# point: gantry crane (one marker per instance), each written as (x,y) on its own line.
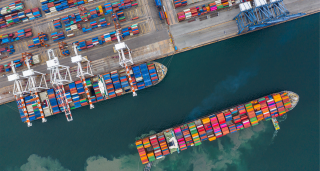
(120,47)
(18,91)
(57,81)
(246,17)
(262,11)
(80,73)
(32,85)
(41,39)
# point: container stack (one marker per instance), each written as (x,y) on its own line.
(203,10)
(215,126)
(106,37)
(125,32)
(82,45)
(146,145)
(116,82)
(65,19)
(135,29)
(97,91)
(31,113)
(180,139)
(103,22)
(74,94)
(281,108)
(95,41)
(108,8)
(79,86)
(225,3)
(286,101)
(272,106)
(94,24)
(222,122)
(187,135)
(155,146)
(153,73)
(11,49)
(68,94)
(145,74)
(89,85)
(239,126)
(232,128)
(182,15)
(53,101)
(208,128)
(125,83)
(59,95)
(142,152)
(109,85)
(163,144)
(251,114)
(264,109)
(138,76)
(201,130)
(227,115)
(194,133)
(93,14)
(20,108)
(57,24)
(11,8)
(121,16)
(213,6)
(257,109)
(56,36)
(134,3)
(179,3)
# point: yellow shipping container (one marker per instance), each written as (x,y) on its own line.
(212,138)
(205,120)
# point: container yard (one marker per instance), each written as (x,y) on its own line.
(151,28)
(216,125)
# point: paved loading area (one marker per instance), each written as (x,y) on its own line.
(188,34)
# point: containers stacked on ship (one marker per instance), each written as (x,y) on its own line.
(109,85)
(187,135)
(215,125)
(28,102)
(147,146)
(181,142)
(244,118)
(53,101)
(194,133)
(133,78)
(116,82)
(68,96)
(286,101)
(45,104)
(257,109)
(124,81)
(201,130)
(153,73)
(82,95)
(142,152)
(145,75)
(208,128)
(20,108)
(280,107)
(91,90)
(222,122)
(272,106)
(155,146)
(75,95)
(163,144)
(138,77)
(227,115)
(264,108)
(96,88)
(251,114)
(59,95)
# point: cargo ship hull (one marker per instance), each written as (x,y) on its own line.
(101,87)
(221,123)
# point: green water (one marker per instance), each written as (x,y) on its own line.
(201,81)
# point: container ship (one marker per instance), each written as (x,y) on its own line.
(101,87)
(216,125)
